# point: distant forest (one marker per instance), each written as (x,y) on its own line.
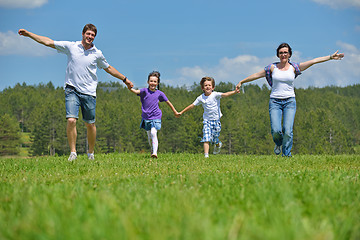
(327,121)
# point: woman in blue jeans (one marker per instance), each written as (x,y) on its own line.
(282,104)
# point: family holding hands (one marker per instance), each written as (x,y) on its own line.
(81,83)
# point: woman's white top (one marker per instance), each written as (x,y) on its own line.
(283,83)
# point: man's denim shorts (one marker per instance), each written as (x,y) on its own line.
(148,124)
(75,100)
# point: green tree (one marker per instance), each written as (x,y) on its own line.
(49,125)
(9,135)
(327,120)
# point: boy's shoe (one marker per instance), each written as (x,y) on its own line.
(206,155)
(154,156)
(217,149)
(91,156)
(277,149)
(72,156)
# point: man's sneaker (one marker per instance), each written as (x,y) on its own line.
(72,156)
(91,156)
(277,149)
(154,156)
(217,148)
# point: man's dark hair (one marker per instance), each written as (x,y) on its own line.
(90,27)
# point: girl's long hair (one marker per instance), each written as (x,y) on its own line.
(155,74)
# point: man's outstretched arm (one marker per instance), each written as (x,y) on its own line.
(40,39)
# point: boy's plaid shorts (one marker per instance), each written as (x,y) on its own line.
(211,131)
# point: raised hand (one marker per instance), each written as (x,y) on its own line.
(337,56)
(23,32)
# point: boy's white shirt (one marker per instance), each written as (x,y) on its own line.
(211,105)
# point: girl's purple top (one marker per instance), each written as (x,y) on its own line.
(150,103)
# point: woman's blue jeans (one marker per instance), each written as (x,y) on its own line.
(282,116)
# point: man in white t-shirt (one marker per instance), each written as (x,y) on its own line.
(80,81)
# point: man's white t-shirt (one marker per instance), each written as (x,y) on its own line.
(211,105)
(82,65)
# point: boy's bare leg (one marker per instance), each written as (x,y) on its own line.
(206,149)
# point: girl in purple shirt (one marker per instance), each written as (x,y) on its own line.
(151,113)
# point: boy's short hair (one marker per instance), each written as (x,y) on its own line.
(90,27)
(204,79)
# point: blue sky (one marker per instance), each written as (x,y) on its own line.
(184,40)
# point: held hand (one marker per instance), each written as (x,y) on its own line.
(129,84)
(238,87)
(177,114)
(337,56)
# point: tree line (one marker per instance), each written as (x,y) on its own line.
(327,121)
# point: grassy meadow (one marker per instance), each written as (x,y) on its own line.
(180,196)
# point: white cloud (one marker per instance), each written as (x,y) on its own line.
(339,4)
(13,44)
(337,73)
(227,70)
(22,3)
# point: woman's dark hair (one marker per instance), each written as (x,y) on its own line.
(282,46)
(155,74)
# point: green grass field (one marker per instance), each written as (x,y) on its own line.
(180,196)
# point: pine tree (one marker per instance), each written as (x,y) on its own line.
(9,135)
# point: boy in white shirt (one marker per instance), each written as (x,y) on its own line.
(210,100)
